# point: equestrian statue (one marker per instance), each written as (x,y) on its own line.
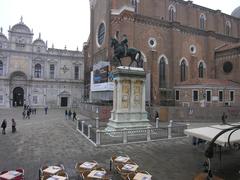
(121,50)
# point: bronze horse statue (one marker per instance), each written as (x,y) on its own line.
(120,51)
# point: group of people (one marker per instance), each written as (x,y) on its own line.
(69,115)
(4,126)
(27,111)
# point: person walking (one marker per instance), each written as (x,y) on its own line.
(24,114)
(46,109)
(3,126)
(28,114)
(224,117)
(66,114)
(69,114)
(74,116)
(13,125)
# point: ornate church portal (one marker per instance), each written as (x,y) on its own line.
(18,96)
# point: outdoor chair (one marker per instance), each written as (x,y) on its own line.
(62,173)
(21,177)
(3,172)
(100,168)
(122,173)
(41,171)
(143,172)
(60,165)
(130,176)
(85,174)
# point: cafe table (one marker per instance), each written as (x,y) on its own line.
(10,175)
(122,159)
(141,176)
(55,177)
(52,169)
(88,165)
(130,167)
(96,174)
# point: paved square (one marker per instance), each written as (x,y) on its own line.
(50,139)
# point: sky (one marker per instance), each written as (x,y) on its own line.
(67,22)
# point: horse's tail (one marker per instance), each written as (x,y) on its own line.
(139,59)
(138,56)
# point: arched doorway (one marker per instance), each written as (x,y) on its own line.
(18,96)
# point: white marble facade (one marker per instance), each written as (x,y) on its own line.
(34,74)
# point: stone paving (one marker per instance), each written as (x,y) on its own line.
(49,139)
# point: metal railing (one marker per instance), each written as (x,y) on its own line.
(101,137)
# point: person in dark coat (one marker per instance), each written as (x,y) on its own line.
(13,125)
(74,116)
(24,114)
(28,114)
(224,117)
(66,114)
(3,126)
(46,109)
(69,114)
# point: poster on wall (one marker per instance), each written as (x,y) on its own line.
(101,77)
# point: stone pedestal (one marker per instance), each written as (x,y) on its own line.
(128,99)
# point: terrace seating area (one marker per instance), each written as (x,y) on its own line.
(120,167)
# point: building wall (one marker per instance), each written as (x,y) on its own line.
(173,39)
(232,56)
(20,56)
(186,97)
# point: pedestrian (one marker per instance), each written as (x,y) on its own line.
(13,125)
(28,114)
(46,109)
(3,126)
(156,115)
(224,117)
(66,114)
(74,116)
(69,114)
(24,114)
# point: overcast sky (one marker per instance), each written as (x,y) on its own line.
(66,22)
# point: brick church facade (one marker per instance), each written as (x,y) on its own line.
(191,53)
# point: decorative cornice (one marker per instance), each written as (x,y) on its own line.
(190,3)
(176,26)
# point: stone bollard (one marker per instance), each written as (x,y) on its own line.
(97,119)
(125,136)
(188,125)
(170,129)
(98,137)
(78,121)
(83,126)
(149,133)
(157,122)
(89,130)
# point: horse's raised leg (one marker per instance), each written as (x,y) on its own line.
(130,63)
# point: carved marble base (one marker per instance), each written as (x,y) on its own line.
(128,99)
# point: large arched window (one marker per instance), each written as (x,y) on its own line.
(227,28)
(37,71)
(183,70)
(202,21)
(200,70)
(162,73)
(1,68)
(171,13)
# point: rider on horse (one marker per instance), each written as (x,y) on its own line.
(121,50)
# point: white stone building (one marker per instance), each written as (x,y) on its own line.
(34,74)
